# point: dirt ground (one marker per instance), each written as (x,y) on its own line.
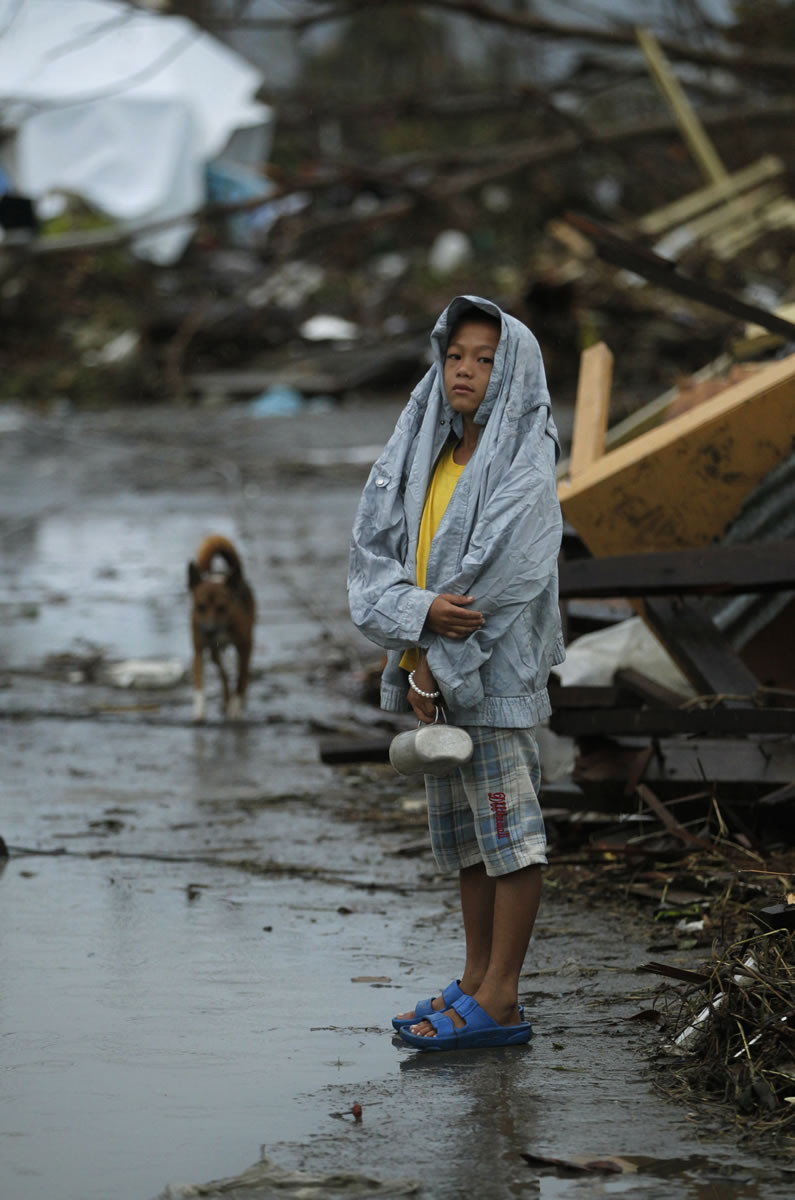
(205,930)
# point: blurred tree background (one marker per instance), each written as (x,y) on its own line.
(425,149)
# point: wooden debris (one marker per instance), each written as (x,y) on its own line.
(632,256)
(593,399)
(736,1040)
(661,722)
(741,211)
(582,1165)
(700,650)
(678,486)
(743,769)
(720,192)
(708,570)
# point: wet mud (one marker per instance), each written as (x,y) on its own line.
(205,930)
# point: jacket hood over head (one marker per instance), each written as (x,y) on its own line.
(517,383)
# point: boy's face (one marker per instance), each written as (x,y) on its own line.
(468,363)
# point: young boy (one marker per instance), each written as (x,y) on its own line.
(453,570)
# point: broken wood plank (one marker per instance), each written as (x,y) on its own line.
(778,213)
(746,768)
(652,802)
(593,401)
(681,211)
(650,415)
(690,126)
(681,973)
(699,649)
(740,217)
(679,485)
(716,569)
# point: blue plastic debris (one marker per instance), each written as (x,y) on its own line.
(280,400)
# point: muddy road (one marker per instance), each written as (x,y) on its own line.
(204,930)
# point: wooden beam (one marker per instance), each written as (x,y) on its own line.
(699,649)
(679,485)
(740,215)
(648,416)
(690,206)
(724,761)
(745,768)
(591,409)
(717,569)
(778,214)
(671,722)
(691,128)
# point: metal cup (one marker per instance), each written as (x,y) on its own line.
(435,749)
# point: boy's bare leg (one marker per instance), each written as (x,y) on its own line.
(516,900)
(477,908)
(476,889)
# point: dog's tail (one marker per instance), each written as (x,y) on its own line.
(214,544)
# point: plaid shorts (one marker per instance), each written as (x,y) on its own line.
(488,810)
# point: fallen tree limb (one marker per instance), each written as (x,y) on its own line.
(747,62)
(632,256)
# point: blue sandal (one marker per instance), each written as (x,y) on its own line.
(478,1031)
(424,1009)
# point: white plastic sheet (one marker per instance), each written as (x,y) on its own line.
(121,107)
(593,659)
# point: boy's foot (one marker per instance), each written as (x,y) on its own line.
(469,1027)
(436,1004)
(499,1012)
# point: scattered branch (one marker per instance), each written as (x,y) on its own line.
(756,62)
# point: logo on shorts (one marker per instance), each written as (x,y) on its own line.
(499,808)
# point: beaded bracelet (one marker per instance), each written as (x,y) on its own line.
(420,692)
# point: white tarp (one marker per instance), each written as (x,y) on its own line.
(120,106)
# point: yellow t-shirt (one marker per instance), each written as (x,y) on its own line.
(442,485)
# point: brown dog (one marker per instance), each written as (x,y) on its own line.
(223,614)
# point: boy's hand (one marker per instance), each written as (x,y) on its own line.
(424,709)
(449,616)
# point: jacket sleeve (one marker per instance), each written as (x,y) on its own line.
(511,558)
(385,602)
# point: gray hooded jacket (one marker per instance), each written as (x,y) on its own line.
(498,540)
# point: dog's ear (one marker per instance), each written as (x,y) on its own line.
(234,579)
(194,575)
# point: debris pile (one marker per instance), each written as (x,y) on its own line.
(681,519)
(735,1043)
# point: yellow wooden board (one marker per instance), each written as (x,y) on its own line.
(680,484)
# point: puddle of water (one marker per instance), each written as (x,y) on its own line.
(149,1038)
